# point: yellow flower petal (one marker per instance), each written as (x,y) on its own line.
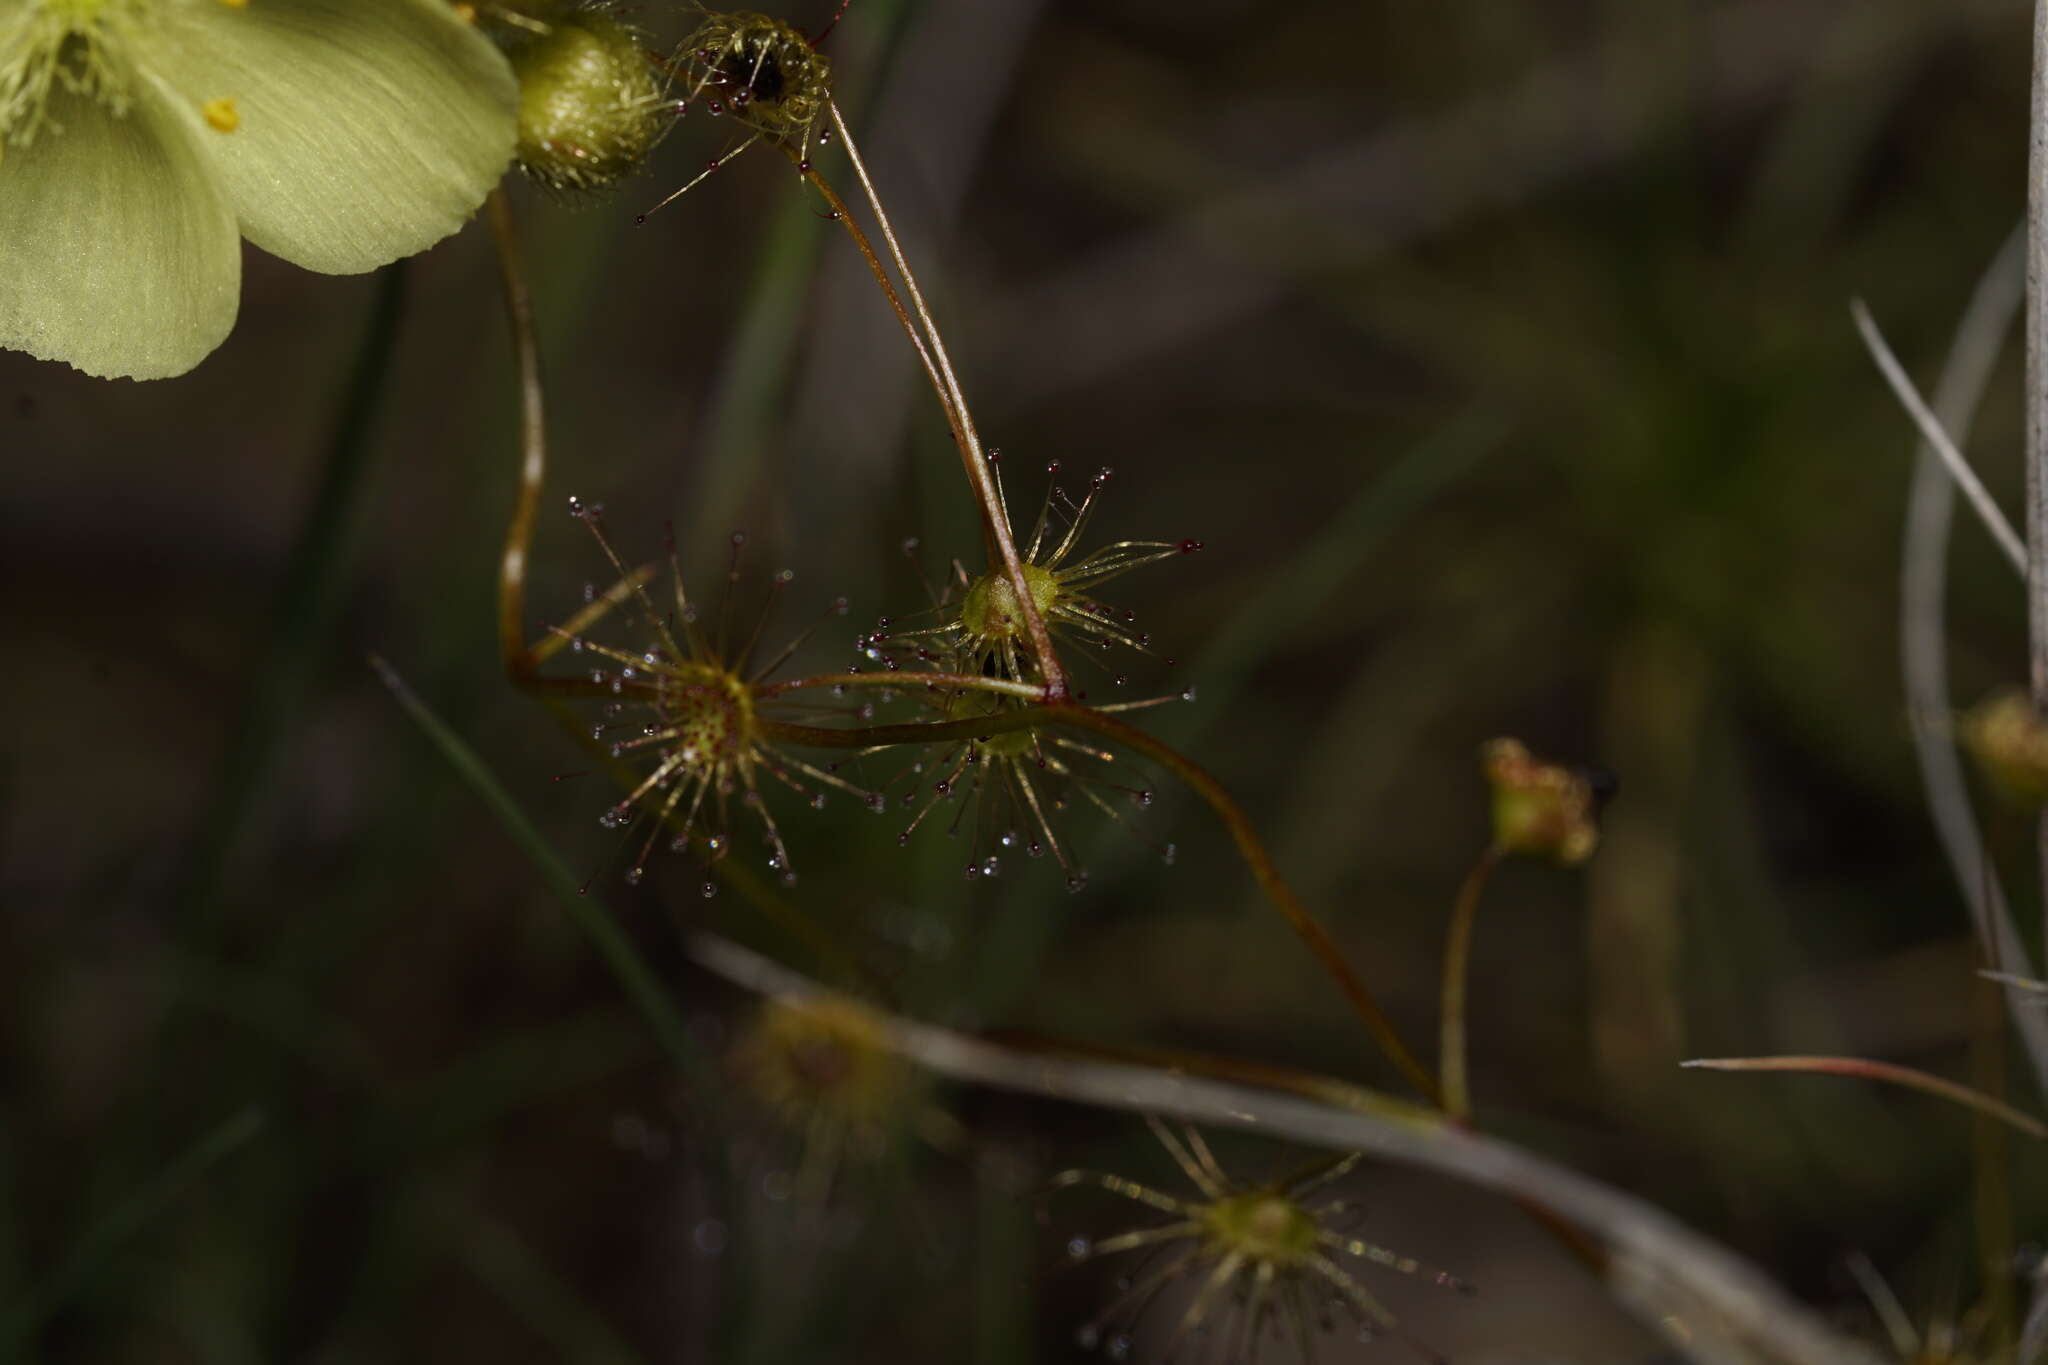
(120,253)
(365,130)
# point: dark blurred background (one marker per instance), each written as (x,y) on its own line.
(1501,356)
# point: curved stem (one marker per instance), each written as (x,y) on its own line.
(520,664)
(1923,634)
(1457,964)
(1889,1072)
(1356,1099)
(1260,863)
(1714,1305)
(1197,779)
(939,366)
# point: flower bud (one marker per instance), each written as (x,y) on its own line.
(1542,809)
(590,102)
(2009,740)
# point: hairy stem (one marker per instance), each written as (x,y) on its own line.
(1457,970)
(905,682)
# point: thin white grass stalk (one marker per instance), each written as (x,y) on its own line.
(1938,440)
(963,421)
(1712,1305)
(1923,631)
(2016,981)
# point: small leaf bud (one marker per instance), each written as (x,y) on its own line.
(1542,809)
(591,107)
(2009,740)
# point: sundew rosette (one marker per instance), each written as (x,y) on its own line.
(140,140)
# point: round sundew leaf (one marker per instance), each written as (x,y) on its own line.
(118,253)
(362,130)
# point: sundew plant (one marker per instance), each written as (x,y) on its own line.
(1017,682)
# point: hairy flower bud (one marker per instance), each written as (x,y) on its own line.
(591,107)
(1542,809)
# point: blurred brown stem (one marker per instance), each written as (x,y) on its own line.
(1250,848)
(1457,1088)
(520,665)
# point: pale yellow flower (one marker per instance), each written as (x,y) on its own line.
(140,140)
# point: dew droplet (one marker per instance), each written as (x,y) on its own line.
(708,890)
(1076,880)
(635,875)
(1189,693)
(818,801)
(1119,1347)
(708,1237)
(1088,1336)
(1078,1249)
(1169,853)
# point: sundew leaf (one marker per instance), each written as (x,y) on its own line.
(121,253)
(365,130)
